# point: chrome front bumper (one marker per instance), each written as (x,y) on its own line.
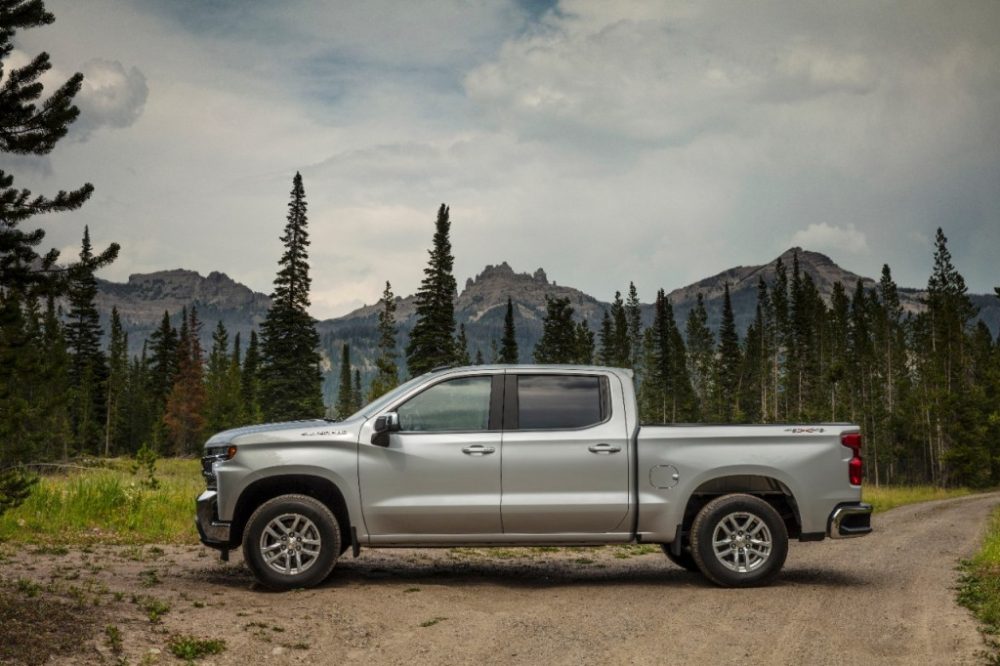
(850,520)
(213,533)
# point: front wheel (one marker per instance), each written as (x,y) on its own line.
(739,541)
(291,541)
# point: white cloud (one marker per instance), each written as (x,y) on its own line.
(110,96)
(832,239)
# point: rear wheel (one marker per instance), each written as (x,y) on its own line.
(291,541)
(685,560)
(739,541)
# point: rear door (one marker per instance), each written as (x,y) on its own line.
(565,459)
(440,473)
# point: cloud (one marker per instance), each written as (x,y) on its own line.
(111,96)
(831,239)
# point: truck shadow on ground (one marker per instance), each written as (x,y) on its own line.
(538,573)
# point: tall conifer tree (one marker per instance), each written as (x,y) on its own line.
(432,340)
(508,343)
(291,381)
(88,369)
(344,406)
(184,415)
(386,371)
(116,383)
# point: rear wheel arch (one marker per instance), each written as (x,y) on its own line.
(768,488)
(262,490)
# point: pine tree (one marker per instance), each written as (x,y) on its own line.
(508,343)
(479,357)
(357,401)
(163,362)
(223,403)
(184,414)
(290,376)
(344,406)
(462,347)
(606,340)
(30,125)
(620,354)
(432,340)
(633,327)
(250,382)
(584,337)
(88,369)
(559,342)
(115,386)
(701,351)
(386,372)
(727,375)
(137,429)
(54,400)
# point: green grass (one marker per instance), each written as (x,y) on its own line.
(109,504)
(884,498)
(979,588)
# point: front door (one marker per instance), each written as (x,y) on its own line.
(440,473)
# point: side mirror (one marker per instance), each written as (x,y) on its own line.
(384,425)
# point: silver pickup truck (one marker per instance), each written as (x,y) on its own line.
(526,455)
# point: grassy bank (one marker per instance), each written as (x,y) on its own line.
(979,589)
(113,503)
(109,503)
(884,498)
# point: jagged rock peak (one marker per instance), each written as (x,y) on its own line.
(503,272)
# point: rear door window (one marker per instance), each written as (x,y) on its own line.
(560,402)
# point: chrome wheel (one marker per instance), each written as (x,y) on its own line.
(742,542)
(290,544)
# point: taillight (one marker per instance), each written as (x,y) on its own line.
(855,469)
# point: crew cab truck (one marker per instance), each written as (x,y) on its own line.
(526,455)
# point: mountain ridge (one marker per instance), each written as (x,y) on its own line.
(480,305)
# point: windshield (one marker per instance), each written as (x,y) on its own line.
(376,405)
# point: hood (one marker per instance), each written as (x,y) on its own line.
(227,436)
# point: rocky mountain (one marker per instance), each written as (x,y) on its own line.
(142,301)
(480,305)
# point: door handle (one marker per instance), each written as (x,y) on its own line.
(604,448)
(478,450)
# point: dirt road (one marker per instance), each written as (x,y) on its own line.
(888,598)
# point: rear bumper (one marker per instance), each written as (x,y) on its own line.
(850,520)
(213,533)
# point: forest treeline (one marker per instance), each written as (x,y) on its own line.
(924,386)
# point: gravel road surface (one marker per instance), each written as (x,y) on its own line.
(888,598)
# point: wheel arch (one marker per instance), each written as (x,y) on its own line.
(760,483)
(269,487)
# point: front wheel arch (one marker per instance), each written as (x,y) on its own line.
(262,490)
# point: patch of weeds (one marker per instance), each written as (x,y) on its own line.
(119,595)
(299,646)
(410,590)
(153,607)
(113,637)
(277,628)
(28,588)
(155,552)
(51,550)
(583,560)
(198,604)
(191,648)
(431,622)
(148,578)
(548,549)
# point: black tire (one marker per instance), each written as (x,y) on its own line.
(726,513)
(316,559)
(685,560)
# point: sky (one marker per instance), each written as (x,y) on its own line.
(607,142)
